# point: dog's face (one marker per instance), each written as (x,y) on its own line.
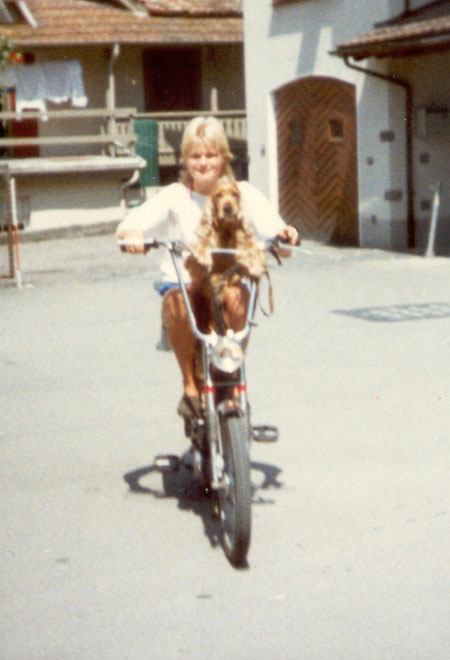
(226,203)
(224,225)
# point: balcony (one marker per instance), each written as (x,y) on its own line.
(172,124)
(98,160)
(79,140)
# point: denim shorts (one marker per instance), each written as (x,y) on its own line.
(163,287)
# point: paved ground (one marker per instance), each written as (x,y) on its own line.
(100,558)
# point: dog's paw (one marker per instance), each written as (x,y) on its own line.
(252,262)
(205,259)
(201,254)
(257,270)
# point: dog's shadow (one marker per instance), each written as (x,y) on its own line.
(181,485)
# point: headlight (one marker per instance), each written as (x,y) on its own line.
(227,355)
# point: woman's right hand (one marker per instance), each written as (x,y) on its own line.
(133,236)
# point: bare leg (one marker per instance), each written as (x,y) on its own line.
(235,303)
(182,339)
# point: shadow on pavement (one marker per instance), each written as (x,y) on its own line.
(392,313)
(180,484)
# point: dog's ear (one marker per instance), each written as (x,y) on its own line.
(246,225)
(205,226)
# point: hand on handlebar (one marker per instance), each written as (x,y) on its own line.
(289,236)
(136,242)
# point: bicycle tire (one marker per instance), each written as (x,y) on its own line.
(235,500)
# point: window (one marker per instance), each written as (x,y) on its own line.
(336,130)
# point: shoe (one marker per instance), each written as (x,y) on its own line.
(164,342)
(190,406)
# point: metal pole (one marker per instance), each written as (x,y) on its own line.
(4,172)
(13,228)
(434,219)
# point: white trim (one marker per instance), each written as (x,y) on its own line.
(272,149)
(26,13)
(137,11)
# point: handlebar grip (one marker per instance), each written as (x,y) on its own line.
(147,244)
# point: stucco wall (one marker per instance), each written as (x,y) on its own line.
(431,140)
(64,200)
(286,43)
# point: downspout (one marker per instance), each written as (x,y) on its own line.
(409,146)
(111,92)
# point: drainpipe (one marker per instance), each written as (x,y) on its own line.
(111,92)
(409,150)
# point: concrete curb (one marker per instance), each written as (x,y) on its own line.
(73,231)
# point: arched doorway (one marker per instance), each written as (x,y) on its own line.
(317,163)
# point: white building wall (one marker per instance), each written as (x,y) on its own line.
(431,140)
(285,43)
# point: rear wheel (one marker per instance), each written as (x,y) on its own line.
(235,498)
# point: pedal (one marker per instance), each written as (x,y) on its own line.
(265,433)
(167,463)
(191,461)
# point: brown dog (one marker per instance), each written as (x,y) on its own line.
(223,225)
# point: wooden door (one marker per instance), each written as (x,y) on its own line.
(317,164)
(172,79)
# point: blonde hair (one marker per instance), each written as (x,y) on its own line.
(205,130)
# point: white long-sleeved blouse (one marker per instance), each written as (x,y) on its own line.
(175,211)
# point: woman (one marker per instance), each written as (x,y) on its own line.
(174,213)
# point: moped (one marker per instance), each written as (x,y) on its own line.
(221,437)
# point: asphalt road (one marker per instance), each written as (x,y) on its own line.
(102,558)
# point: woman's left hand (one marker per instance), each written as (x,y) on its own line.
(289,235)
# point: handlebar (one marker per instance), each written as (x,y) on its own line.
(178,247)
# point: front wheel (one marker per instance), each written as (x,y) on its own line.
(235,498)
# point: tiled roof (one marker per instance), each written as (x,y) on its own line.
(400,38)
(84,22)
(195,7)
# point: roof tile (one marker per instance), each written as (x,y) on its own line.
(85,22)
(195,7)
(412,34)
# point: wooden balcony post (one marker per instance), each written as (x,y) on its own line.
(214,100)
(12,224)
(111,94)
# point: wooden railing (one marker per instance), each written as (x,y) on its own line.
(114,133)
(172,124)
